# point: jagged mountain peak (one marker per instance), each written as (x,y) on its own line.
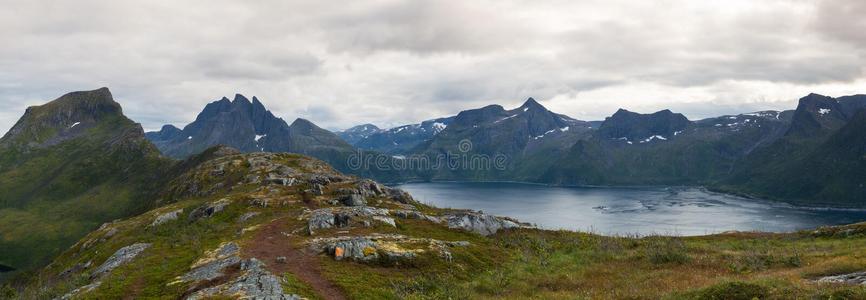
(817,113)
(531,103)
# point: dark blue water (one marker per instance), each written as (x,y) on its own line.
(621,211)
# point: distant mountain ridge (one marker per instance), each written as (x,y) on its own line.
(397,140)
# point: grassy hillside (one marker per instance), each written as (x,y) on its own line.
(425,254)
(59,181)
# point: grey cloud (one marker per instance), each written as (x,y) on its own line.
(393,62)
(842,20)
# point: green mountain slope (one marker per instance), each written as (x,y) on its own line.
(285,226)
(824,171)
(663,149)
(65,168)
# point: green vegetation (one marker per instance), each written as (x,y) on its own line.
(57,183)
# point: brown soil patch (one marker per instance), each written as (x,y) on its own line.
(269,243)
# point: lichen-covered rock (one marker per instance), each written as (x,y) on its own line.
(81,290)
(371,247)
(399,195)
(852,278)
(166,217)
(213,263)
(386,220)
(254,283)
(414,214)
(353,200)
(317,189)
(209,209)
(478,222)
(338,217)
(120,257)
(356,248)
(248,215)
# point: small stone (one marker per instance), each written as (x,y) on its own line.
(281,259)
(246,216)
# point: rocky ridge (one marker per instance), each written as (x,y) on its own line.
(251,200)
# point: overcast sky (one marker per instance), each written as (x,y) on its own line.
(341,63)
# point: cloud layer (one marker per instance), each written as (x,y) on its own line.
(393,62)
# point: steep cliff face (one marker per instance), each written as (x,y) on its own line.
(635,127)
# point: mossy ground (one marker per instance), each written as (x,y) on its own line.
(512,264)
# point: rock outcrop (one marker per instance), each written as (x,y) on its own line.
(852,278)
(122,256)
(209,209)
(166,217)
(479,223)
(250,281)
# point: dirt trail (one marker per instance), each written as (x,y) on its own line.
(270,243)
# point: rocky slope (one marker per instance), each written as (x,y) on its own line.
(285,226)
(66,167)
(246,225)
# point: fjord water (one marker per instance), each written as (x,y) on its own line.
(624,211)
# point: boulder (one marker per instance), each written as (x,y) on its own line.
(858,278)
(358,248)
(339,217)
(391,246)
(478,222)
(255,282)
(246,216)
(399,195)
(414,214)
(386,220)
(317,189)
(209,209)
(120,257)
(353,200)
(169,216)
(213,263)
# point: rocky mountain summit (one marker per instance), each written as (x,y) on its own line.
(249,127)
(634,127)
(255,217)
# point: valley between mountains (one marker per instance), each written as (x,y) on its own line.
(242,204)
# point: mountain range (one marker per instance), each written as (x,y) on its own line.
(741,154)
(76,164)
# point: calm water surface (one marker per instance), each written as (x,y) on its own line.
(676,211)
